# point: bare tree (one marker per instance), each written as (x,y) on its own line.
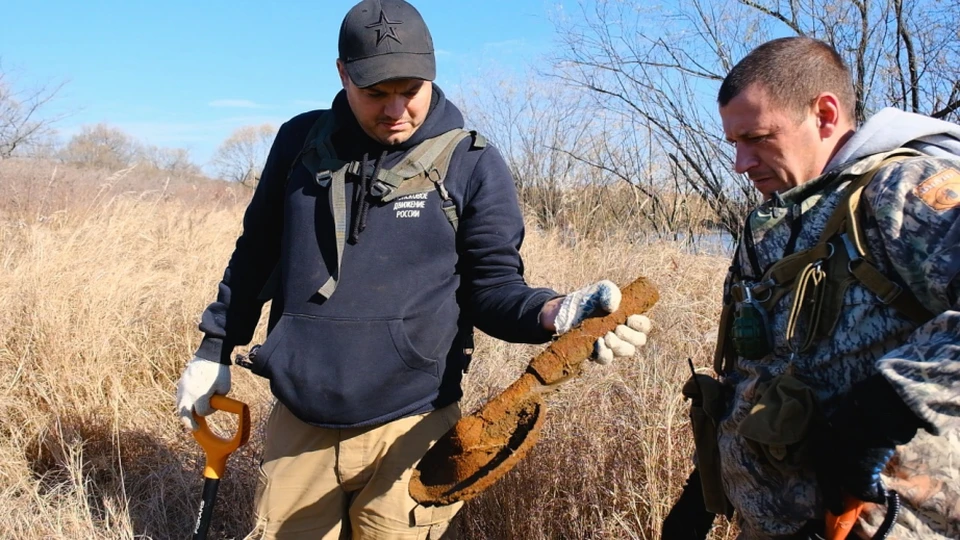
(172,160)
(658,68)
(241,157)
(104,147)
(107,147)
(569,160)
(24,118)
(529,122)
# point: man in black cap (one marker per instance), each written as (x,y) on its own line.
(383,233)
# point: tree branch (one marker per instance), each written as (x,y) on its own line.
(775,14)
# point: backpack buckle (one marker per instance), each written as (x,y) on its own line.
(323,178)
(380,190)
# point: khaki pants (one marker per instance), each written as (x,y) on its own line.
(348,483)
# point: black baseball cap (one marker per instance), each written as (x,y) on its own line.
(386,39)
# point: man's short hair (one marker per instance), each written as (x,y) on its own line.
(794,71)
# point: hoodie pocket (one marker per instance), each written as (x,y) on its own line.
(258,361)
(407,351)
(347,371)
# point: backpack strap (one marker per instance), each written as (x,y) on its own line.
(847,261)
(724,356)
(427,165)
(319,157)
(862,264)
(437,172)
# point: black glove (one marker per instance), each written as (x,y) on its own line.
(688,519)
(860,439)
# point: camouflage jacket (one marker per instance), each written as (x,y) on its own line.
(913,231)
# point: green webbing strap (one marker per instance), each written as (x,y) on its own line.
(862,265)
(328,166)
(428,163)
(723,339)
(430,159)
(317,138)
(810,287)
(890,293)
(421,160)
(442,160)
(479,141)
(849,199)
(332,171)
(443,146)
(328,170)
(338,202)
(810,280)
(388,178)
(418,161)
(441,164)
(788,268)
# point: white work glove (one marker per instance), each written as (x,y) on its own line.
(623,341)
(600,299)
(201,379)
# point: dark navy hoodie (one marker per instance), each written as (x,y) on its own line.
(389,342)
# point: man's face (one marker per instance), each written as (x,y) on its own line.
(389,112)
(774,148)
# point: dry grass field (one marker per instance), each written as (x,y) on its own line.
(102,281)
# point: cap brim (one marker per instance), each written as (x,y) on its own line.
(385,67)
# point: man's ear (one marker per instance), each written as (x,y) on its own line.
(342,70)
(826,107)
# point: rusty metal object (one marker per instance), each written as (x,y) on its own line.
(485,445)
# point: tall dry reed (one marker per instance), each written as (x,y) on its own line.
(102,280)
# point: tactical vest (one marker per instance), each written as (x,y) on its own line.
(819,277)
(421,170)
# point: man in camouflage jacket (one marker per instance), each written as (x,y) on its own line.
(886,387)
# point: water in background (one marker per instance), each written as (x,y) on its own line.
(711,243)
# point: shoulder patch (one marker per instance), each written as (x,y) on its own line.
(941,191)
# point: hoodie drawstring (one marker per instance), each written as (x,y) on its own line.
(363,198)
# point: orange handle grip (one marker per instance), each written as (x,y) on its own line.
(838,527)
(216,448)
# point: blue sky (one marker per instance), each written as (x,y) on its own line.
(185,74)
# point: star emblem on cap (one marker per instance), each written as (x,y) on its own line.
(384,28)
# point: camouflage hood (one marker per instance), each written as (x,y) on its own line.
(892,128)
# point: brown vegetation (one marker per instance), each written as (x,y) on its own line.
(103,279)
